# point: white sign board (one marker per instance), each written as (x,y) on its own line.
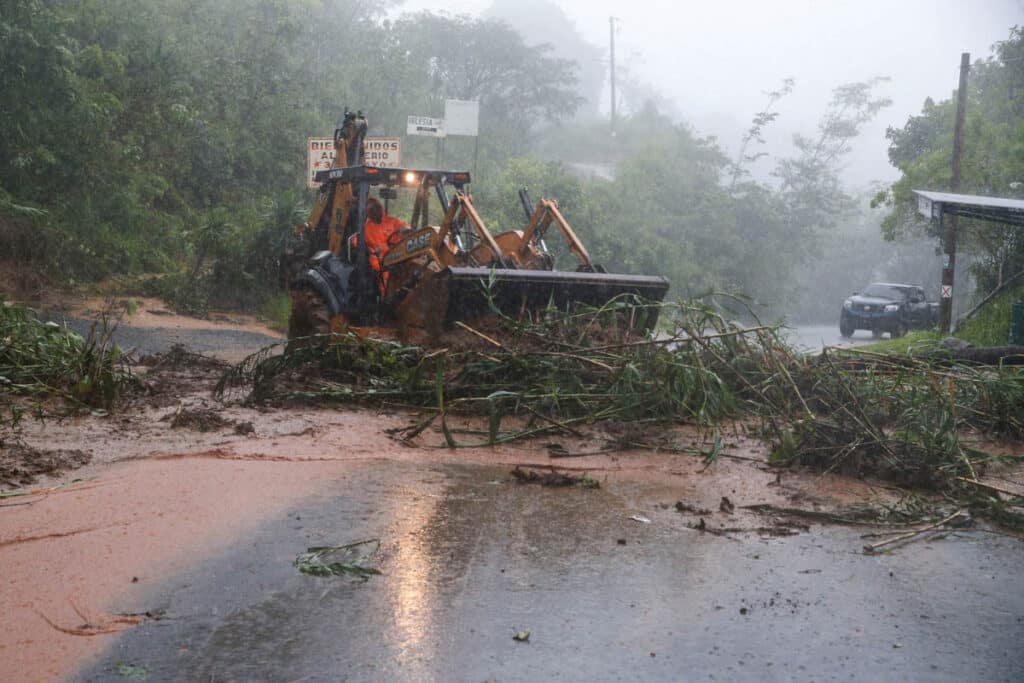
(461,117)
(424,125)
(380,152)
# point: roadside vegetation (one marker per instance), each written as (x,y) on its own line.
(990,326)
(42,360)
(917,342)
(48,370)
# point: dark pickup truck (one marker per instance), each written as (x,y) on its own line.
(886,307)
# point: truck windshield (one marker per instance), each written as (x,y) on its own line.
(884,292)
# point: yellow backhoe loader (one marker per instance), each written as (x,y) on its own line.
(433,275)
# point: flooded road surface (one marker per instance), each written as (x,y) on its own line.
(469,559)
(815,337)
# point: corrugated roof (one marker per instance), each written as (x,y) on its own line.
(997,209)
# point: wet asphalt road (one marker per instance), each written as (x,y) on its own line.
(469,559)
(813,338)
(146,340)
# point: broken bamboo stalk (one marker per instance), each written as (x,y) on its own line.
(873,547)
(483,336)
(992,487)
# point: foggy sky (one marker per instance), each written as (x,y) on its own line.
(714,60)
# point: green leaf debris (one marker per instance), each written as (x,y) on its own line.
(339,560)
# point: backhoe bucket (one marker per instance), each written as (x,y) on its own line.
(473,292)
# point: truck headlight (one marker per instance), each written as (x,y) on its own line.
(848,305)
(892,308)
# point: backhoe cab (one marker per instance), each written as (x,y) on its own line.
(432,274)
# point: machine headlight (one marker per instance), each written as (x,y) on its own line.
(848,305)
(892,308)
(410,177)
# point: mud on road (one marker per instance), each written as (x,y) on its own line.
(168,556)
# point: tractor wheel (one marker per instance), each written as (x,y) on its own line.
(309,316)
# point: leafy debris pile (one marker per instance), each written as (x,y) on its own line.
(897,418)
(557,370)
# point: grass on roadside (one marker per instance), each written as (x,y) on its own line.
(990,326)
(920,341)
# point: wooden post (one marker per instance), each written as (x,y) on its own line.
(952,221)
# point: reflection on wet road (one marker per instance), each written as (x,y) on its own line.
(469,559)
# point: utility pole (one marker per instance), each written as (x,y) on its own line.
(952,221)
(611,40)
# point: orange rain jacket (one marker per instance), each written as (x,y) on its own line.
(377,235)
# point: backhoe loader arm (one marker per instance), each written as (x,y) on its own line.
(331,211)
(348,151)
(546,213)
(461,208)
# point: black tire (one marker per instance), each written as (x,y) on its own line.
(846,330)
(309,315)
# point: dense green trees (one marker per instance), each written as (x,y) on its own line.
(147,136)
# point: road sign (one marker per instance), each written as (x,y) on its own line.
(380,152)
(461,117)
(424,125)
(947,291)
(319,157)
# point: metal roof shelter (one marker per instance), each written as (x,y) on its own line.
(997,209)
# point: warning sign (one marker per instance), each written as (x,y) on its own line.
(319,157)
(380,152)
(383,152)
(947,291)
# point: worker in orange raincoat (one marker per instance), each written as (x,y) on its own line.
(379,229)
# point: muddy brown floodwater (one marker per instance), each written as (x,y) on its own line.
(168,556)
